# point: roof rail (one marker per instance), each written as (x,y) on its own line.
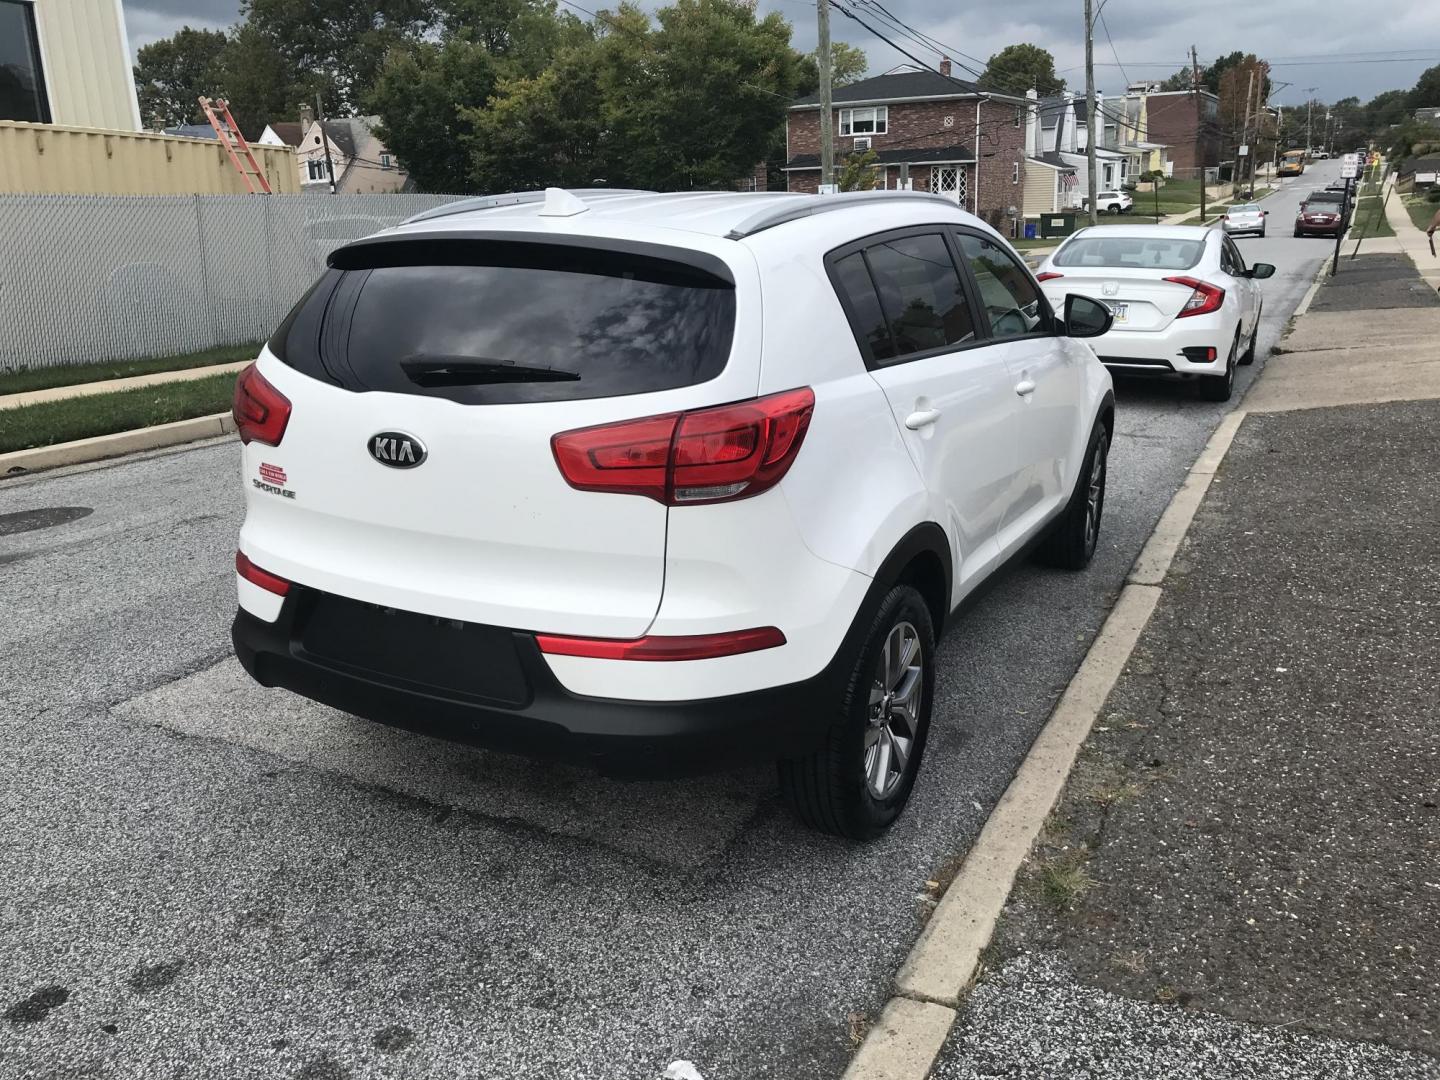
(512,198)
(820,204)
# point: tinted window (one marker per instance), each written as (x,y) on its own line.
(1011,300)
(852,279)
(1140,251)
(920,293)
(22,86)
(490,323)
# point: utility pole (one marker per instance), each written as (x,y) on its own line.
(827,119)
(325,139)
(1090,177)
(1244,131)
(1309,109)
(1199,121)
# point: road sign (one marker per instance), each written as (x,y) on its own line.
(1349,166)
(1244,150)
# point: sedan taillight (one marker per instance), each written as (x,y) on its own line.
(1204,298)
(1048,275)
(261,412)
(684,459)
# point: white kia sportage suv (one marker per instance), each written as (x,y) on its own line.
(659,482)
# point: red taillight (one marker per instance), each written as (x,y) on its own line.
(263,578)
(691,647)
(1048,275)
(261,411)
(689,458)
(1204,299)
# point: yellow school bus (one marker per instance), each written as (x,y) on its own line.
(1292,163)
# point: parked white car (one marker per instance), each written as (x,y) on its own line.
(1185,303)
(1111,202)
(1245,219)
(660,482)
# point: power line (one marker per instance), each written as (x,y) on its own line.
(1104,26)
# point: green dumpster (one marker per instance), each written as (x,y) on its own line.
(1056,225)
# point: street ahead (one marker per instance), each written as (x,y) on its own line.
(202,878)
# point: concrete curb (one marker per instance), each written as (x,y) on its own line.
(110,386)
(939,971)
(22,462)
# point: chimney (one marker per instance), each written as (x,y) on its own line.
(1032,123)
(307,117)
(945,66)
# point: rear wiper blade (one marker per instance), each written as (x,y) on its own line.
(473,371)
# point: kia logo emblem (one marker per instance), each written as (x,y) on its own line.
(397,449)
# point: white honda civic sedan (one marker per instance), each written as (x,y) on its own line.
(1185,303)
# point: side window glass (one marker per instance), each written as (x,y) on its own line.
(1237,261)
(1011,300)
(920,293)
(852,279)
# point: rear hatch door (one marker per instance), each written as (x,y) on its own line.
(427,379)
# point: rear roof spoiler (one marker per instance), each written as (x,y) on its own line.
(513,198)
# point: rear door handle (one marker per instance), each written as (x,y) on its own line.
(1025,387)
(923,418)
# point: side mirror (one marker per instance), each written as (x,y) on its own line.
(1261,270)
(1264,213)
(1086,318)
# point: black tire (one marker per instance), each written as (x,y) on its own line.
(1220,387)
(1248,356)
(1297,233)
(1262,234)
(831,789)
(1072,540)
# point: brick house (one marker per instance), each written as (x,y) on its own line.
(948,134)
(1186,123)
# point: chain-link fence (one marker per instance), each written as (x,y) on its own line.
(102,277)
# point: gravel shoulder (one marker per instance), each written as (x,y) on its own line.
(1252,830)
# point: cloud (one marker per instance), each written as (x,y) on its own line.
(156,19)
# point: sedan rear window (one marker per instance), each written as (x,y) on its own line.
(490,322)
(1152,252)
(1248,208)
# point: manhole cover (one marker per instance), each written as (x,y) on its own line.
(48,518)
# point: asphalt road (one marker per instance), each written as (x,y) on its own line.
(201,878)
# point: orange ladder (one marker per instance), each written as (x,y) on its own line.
(217,111)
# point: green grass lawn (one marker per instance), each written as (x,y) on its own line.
(1421,212)
(1370,219)
(52,422)
(1027,245)
(19,380)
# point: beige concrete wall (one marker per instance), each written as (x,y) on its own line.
(86,59)
(45,159)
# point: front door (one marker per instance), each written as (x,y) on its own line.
(948,180)
(1045,382)
(950,391)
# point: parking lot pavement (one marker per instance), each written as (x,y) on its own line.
(1251,831)
(203,878)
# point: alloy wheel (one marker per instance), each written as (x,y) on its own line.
(896,692)
(1095,494)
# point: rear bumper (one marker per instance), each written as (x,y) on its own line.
(1164,352)
(540,717)
(1305,229)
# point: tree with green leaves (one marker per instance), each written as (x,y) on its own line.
(173,73)
(847,65)
(1017,68)
(696,103)
(338,45)
(260,84)
(1427,90)
(858,172)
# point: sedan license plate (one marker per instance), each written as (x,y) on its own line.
(1121,312)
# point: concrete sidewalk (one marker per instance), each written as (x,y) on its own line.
(1241,877)
(1412,241)
(106,386)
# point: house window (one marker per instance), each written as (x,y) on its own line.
(386,162)
(864,121)
(1015,173)
(316,169)
(1019,114)
(22,76)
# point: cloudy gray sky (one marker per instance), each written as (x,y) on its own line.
(1308,42)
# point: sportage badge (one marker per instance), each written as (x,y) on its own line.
(397,449)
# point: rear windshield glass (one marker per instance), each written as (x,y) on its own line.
(1326,196)
(1138,251)
(492,323)
(1248,208)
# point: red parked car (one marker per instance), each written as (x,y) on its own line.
(1318,217)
